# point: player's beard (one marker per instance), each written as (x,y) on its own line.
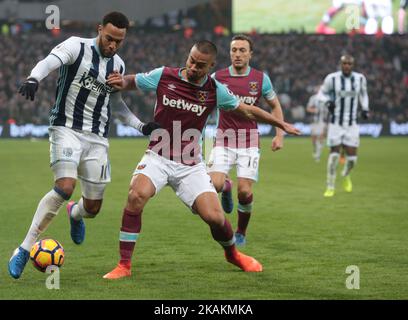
(108,54)
(192,77)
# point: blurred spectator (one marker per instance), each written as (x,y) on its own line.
(295,63)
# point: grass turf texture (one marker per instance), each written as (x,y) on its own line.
(304,241)
(285,15)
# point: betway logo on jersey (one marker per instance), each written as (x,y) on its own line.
(184,105)
(247,100)
(91,83)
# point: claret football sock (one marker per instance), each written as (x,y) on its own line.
(224,236)
(129,232)
(244,212)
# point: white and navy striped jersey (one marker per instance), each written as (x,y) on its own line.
(321,111)
(82,97)
(347,93)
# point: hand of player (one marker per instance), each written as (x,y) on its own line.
(290,129)
(277,143)
(29,88)
(116,80)
(330,105)
(365,114)
(149,127)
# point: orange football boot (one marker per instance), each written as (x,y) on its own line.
(244,262)
(120,271)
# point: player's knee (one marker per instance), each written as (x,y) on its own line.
(92,207)
(66,188)
(217,219)
(218,182)
(137,198)
(218,185)
(244,194)
(213,215)
(335,149)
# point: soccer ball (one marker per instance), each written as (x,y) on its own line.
(45,253)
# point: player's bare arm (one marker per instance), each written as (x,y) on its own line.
(119,82)
(259,115)
(277,141)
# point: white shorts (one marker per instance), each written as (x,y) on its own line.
(378,8)
(343,135)
(187,181)
(80,155)
(317,129)
(222,159)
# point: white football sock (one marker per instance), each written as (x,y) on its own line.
(78,211)
(350,163)
(331,169)
(318,149)
(47,209)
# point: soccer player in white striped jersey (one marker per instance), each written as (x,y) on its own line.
(317,108)
(79,123)
(342,92)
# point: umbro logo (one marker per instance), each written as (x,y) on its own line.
(171,87)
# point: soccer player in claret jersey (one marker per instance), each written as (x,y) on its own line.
(237,138)
(79,123)
(342,92)
(185,99)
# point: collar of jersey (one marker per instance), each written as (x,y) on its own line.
(97,50)
(232,74)
(194,84)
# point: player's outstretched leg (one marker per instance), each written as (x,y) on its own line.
(207,206)
(141,190)
(226,196)
(242,261)
(17,262)
(224,236)
(47,209)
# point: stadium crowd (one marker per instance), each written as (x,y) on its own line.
(296,63)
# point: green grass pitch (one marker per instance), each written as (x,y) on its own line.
(284,15)
(304,241)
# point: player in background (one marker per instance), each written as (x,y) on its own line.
(242,151)
(337,6)
(342,92)
(79,123)
(317,108)
(379,13)
(185,99)
(401,16)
